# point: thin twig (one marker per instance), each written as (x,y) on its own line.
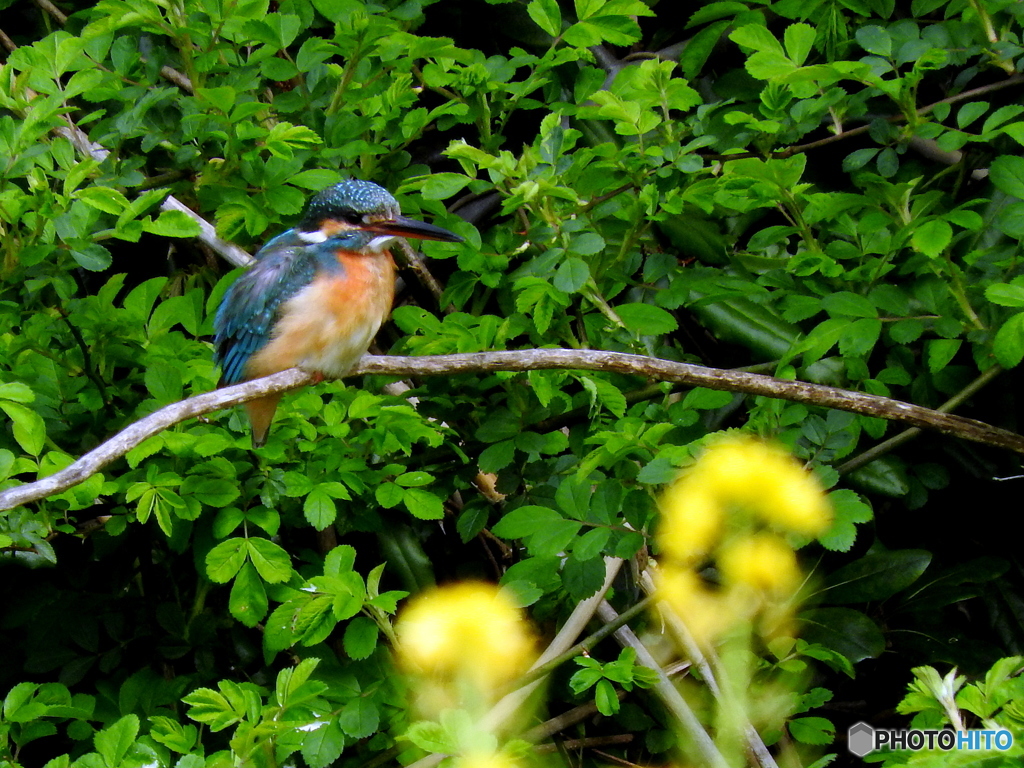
(521,360)
(896,441)
(797,149)
(53,10)
(586,644)
(669,695)
(566,719)
(593,741)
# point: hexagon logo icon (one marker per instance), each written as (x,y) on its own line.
(860,739)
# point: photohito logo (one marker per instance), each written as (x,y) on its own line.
(862,739)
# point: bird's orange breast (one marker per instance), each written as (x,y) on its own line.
(329,324)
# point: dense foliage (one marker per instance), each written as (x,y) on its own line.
(826,190)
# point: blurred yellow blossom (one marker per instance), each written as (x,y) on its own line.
(468,632)
(719,512)
(763,562)
(692,519)
(762,478)
(696,604)
(485,759)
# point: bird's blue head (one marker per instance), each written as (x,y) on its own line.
(363,216)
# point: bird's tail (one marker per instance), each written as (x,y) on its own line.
(261,413)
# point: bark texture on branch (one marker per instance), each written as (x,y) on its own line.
(521,360)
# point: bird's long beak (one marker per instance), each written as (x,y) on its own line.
(400,226)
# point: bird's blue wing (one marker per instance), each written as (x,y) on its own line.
(251,306)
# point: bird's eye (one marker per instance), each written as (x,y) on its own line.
(353,218)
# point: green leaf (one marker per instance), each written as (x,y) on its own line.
(848,509)
(359,718)
(323,746)
(846,304)
(812,730)
(586,244)
(315,178)
(1003,294)
(799,39)
(423,504)
(941,353)
(605,698)
(431,737)
(173,224)
(758,38)
(212,491)
(646,319)
(360,637)
(319,508)
(414,479)
(524,521)
(844,630)
(547,15)
(91,256)
(213,708)
(764,65)
(571,275)
(1008,345)
(859,337)
(17,392)
(1007,173)
(29,429)
(441,186)
(970,112)
(874,39)
(932,237)
(270,559)
(103,199)
(114,741)
(248,599)
(876,576)
(226,559)
(591,543)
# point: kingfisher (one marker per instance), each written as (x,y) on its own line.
(317,294)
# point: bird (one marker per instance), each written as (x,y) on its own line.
(315,295)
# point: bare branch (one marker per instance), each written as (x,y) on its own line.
(522,360)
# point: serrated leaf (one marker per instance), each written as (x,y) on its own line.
(1003,294)
(114,741)
(319,508)
(758,38)
(571,275)
(932,237)
(646,319)
(324,745)
(799,39)
(874,39)
(271,560)
(173,223)
(1007,173)
(226,559)
(1008,345)
(248,599)
(547,15)
(423,504)
(28,426)
(360,637)
(812,730)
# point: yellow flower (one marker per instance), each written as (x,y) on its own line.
(470,631)
(483,759)
(703,611)
(763,562)
(691,521)
(755,475)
